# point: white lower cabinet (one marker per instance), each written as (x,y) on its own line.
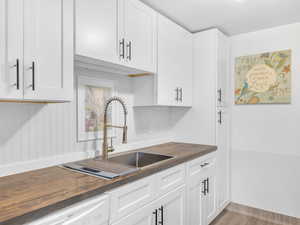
(181,195)
(201,192)
(168,210)
(172,210)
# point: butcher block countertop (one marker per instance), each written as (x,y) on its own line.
(28,196)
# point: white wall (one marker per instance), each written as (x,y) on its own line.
(39,135)
(265,138)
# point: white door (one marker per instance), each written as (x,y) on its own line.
(210,197)
(173,208)
(185,74)
(11,46)
(196,202)
(140,33)
(222,68)
(143,216)
(222,165)
(167,62)
(97,29)
(175,70)
(48,49)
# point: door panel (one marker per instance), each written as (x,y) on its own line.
(11,45)
(140,35)
(211,198)
(167,62)
(196,202)
(185,71)
(175,64)
(222,164)
(222,69)
(96,29)
(48,49)
(174,210)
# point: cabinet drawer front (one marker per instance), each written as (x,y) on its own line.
(200,165)
(170,179)
(129,198)
(85,212)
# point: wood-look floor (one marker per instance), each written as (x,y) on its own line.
(234,218)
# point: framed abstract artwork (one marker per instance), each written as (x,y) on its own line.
(263,78)
(92,95)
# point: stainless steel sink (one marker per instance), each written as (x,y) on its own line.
(117,165)
(139,159)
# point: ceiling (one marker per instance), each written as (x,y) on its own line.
(230,16)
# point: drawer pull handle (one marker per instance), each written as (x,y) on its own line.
(204,165)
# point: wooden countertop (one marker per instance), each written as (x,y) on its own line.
(27,196)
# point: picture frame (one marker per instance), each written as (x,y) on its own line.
(92,94)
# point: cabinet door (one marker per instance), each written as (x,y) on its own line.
(222,165)
(11,45)
(140,32)
(48,50)
(196,202)
(210,198)
(173,208)
(96,29)
(222,68)
(174,74)
(185,72)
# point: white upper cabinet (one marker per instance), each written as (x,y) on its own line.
(97,29)
(175,64)
(48,50)
(222,68)
(172,85)
(40,35)
(117,31)
(140,34)
(11,49)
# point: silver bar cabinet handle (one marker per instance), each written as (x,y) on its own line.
(32,68)
(122,48)
(17,65)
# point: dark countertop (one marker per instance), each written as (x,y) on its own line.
(28,196)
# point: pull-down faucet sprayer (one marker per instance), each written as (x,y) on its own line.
(105,148)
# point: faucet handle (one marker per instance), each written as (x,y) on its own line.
(111,147)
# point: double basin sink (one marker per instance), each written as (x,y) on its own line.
(129,163)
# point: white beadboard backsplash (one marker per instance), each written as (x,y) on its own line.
(33,132)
